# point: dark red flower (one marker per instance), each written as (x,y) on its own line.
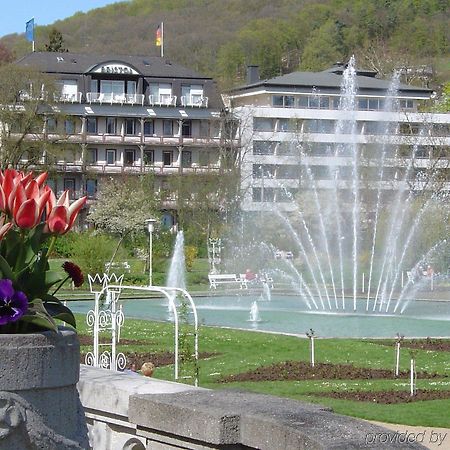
(74,272)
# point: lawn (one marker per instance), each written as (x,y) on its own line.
(235,351)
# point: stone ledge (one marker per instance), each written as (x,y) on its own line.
(177,416)
(265,422)
(109,391)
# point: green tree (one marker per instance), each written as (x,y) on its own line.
(55,42)
(123,205)
(26,100)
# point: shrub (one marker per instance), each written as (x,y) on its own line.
(190,253)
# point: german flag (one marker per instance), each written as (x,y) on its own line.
(158,36)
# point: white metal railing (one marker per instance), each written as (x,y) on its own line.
(163,100)
(194,100)
(110,317)
(69,98)
(111,98)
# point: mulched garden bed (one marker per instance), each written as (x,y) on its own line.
(301,370)
(157,359)
(386,397)
(439,345)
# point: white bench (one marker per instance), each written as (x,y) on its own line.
(226,278)
(125,266)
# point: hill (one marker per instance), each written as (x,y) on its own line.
(220,38)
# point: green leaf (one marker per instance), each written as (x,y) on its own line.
(37,238)
(61,312)
(6,269)
(38,316)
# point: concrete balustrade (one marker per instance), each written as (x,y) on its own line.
(126,411)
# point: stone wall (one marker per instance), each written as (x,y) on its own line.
(126,411)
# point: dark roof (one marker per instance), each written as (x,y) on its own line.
(329,79)
(78,63)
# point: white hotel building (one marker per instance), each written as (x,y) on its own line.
(289,122)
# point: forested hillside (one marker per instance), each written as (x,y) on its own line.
(220,37)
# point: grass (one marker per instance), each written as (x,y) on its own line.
(238,351)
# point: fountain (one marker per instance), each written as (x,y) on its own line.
(254,313)
(177,271)
(360,244)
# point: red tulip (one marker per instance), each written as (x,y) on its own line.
(61,216)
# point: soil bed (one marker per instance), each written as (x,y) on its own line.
(439,345)
(157,359)
(301,370)
(387,397)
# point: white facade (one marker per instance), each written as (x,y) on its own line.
(288,128)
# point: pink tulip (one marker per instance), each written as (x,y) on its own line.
(61,216)
(4,227)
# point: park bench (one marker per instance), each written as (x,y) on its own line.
(125,266)
(226,278)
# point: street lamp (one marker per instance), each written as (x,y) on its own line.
(150,227)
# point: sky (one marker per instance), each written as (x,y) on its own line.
(15,13)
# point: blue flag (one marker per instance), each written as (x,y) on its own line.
(29,30)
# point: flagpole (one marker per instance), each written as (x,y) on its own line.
(162,39)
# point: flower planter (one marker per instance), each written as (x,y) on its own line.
(39,402)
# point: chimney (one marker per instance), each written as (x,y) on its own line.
(252,74)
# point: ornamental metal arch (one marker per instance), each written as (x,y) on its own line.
(112,318)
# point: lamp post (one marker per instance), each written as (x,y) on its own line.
(150,227)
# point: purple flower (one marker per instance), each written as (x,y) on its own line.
(13,304)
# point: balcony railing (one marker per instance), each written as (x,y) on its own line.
(194,100)
(69,98)
(112,98)
(163,100)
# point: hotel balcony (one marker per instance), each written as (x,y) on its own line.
(112,98)
(194,100)
(69,98)
(162,100)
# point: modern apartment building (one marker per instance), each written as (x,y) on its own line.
(128,114)
(293,130)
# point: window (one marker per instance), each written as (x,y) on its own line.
(51,124)
(203,158)
(264,147)
(191,95)
(161,93)
(149,128)
(314,102)
(94,85)
(110,156)
(69,126)
(129,157)
(186,159)
(69,89)
(319,126)
(167,128)
(91,188)
(288,149)
(268,194)
(91,157)
(284,101)
(91,125)
(289,125)
(406,104)
(263,124)
(69,185)
(167,158)
(186,128)
(111,125)
(130,126)
(149,157)
(114,87)
(131,87)
(256,194)
(288,172)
